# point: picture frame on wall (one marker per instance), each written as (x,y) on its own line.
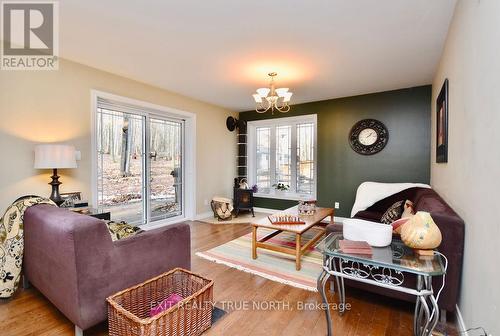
(442,124)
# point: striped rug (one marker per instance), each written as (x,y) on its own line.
(271,265)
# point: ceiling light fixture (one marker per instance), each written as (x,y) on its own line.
(272,98)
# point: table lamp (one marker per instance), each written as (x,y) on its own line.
(55,156)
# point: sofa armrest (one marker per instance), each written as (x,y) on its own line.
(452,246)
(50,257)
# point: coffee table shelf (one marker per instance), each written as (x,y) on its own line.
(311,221)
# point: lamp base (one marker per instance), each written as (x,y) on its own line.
(55,196)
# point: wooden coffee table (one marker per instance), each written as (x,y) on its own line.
(298,229)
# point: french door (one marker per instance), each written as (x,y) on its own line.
(140,163)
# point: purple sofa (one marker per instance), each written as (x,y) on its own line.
(71,259)
(452,228)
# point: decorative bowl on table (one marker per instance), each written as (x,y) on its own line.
(307,208)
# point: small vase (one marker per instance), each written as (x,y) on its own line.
(420,232)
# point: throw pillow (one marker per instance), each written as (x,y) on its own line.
(121,230)
(393,213)
(408,209)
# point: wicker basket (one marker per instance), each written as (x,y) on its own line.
(128,310)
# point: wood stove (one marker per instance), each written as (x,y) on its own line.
(243,200)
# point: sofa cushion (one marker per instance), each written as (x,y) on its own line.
(433,204)
(408,209)
(407,194)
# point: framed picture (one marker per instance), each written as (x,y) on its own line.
(70,198)
(442,124)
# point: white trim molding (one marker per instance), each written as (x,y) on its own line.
(460,322)
(189,119)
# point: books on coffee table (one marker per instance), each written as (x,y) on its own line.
(355,247)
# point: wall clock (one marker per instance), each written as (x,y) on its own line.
(368,136)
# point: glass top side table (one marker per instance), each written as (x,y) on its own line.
(386,268)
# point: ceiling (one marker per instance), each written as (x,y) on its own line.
(220,51)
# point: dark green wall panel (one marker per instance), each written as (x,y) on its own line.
(274,203)
(406,158)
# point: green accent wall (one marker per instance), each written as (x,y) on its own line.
(406,158)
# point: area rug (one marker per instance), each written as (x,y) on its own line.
(275,266)
(244,218)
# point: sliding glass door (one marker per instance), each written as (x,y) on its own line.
(140,164)
(166,167)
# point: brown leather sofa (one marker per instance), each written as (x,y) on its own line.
(452,246)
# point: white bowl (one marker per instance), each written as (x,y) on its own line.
(375,234)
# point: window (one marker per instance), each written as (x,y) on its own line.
(139,165)
(283,151)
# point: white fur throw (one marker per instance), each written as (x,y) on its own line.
(370,193)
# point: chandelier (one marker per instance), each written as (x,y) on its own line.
(272,98)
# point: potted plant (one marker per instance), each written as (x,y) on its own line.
(281,187)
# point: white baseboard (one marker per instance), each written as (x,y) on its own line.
(460,322)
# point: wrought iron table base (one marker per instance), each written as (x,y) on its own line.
(426,314)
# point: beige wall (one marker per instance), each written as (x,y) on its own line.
(54,106)
(471,178)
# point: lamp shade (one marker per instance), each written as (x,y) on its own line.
(287,96)
(281,92)
(263,92)
(50,156)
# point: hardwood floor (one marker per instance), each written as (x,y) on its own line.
(29,313)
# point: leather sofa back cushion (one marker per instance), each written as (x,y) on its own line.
(384,204)
(432,204)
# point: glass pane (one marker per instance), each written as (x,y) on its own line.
(283,155)
(166,168)
(120,170)
(263,159)
(305,158)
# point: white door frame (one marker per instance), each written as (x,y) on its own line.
(189,180)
